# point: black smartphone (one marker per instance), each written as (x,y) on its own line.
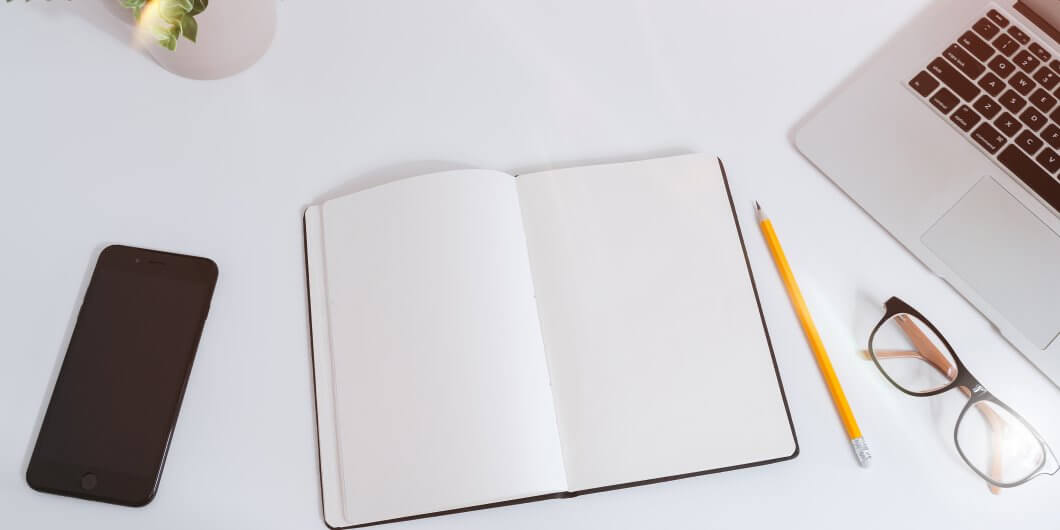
(112,412)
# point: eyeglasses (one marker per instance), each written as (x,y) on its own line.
(995,441)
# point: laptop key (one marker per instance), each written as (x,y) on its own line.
(1042,100)
(1018,35)
(1008,124)
(1021,83)
(988,137)
(986,106)
(1012,101)
(1033,119)
(1047,78)
(979,48)
(1049,160)
(953,79)
(1029,142)
(997,18)
(1031,174)
(1051,135)
(1001,66)
(944,100)
(1039,52)
(986,29)
(992,84)
(1006,45)
(964,61)
(1026,61)
(924,84)
(965,118)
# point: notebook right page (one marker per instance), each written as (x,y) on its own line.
(658,356)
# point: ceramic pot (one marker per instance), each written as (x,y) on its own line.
(233,35)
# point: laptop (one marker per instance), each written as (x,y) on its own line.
(949,136)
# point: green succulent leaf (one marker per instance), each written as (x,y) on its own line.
(160,31)
(186,5)
(200,6)
(173,10)
(175,31)
(189,27)
(164,35)
(168,43)
(175,18)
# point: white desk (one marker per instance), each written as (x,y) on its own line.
(98,145)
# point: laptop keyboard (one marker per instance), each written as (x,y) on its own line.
(1000,87)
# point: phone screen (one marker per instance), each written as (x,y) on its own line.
(115,402)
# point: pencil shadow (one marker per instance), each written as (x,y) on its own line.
(61,355)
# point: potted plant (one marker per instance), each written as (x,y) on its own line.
(167,20)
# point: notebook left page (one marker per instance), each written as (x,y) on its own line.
(430,348)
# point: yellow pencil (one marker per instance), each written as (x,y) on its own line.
(861,449)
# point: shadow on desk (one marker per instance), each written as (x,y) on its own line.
(106,16)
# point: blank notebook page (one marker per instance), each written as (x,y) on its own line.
(440,387)
(658,356)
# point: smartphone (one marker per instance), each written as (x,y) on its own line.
(112,412)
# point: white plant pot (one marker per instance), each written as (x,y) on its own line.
(233,35)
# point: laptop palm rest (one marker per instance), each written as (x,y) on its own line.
(1012,259)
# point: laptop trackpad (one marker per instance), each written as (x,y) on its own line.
(1012,259)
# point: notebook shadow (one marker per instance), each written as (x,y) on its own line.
(395,172)
(385,175)
(592,161)
(61,354)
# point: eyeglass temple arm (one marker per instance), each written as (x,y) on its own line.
(927,351)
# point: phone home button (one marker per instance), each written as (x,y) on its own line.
(88,481)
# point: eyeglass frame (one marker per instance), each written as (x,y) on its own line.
(976,393)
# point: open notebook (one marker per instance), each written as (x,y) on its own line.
(482,339)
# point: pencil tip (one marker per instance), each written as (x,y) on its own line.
(758,206)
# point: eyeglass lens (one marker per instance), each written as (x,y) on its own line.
(911,355)
(995,442)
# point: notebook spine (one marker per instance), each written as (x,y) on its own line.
(323,387)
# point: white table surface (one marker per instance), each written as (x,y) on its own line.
(98,144)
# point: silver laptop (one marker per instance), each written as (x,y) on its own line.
(950,138)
